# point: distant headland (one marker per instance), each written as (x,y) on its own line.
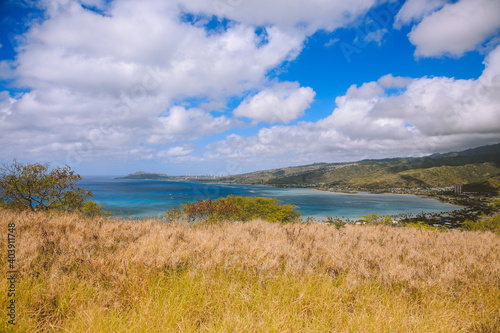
(161,176)
(146,176)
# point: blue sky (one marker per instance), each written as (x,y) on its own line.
(231,86)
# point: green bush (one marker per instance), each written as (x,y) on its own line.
(173,215)
(495,204)
(337,223)
(374,219)
(211,211)
(484,223)
(235,208)
(92,209)
(268,209)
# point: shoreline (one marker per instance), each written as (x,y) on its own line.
(423,196)
(307,211)
(440,198)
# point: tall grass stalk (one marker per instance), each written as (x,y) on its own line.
(100,275)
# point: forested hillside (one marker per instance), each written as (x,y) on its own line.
(479,167)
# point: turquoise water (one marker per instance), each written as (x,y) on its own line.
(143,198)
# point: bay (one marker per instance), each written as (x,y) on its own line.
(150,198)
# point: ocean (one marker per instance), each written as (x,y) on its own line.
(150,198)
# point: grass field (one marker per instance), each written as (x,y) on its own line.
(82,275)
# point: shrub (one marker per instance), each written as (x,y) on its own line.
(267,209)
(484,223)
(211,211)
(337,223)
(495,204)
(173,215)
(92,209)
(372,219)
(235,208)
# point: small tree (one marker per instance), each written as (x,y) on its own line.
(35,187)
(267,209)
(236,208)
(211,211)
(376,219)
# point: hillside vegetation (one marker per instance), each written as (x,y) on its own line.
(234,208)
(77,274)
(473,166)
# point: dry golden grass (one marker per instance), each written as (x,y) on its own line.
(81,275)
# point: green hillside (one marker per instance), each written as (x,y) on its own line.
(145,176)
(478,166)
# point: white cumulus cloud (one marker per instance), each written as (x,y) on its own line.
(100,85)
(429,115)
(181,123)
(286,14)
(282,103)
(137,77)
(176,152)
(415,10)
(456,28)
(390,81)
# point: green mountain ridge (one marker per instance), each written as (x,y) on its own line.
(477,167)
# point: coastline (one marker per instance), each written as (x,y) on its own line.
(466,208)
(460,207)
(139,199)
(354,191)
